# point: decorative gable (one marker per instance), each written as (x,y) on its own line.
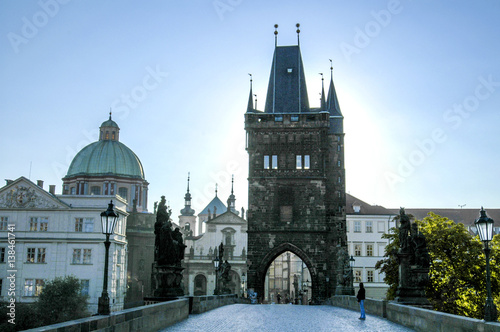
(24,194)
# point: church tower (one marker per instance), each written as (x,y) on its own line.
(296,177)
(187,219)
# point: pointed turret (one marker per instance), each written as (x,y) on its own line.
(250,100)
(231,201)
(333,107)
(187,211)
(287,91)
(323,102)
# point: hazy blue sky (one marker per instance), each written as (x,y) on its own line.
(418,84)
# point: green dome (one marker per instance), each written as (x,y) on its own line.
(106,157)
(109,123)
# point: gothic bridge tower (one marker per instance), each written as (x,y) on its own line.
(296,178)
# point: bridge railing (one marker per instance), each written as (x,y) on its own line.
(414,317)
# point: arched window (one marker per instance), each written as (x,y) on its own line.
(200,285)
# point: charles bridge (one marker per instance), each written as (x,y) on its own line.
(230,313)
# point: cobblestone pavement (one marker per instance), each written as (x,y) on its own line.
(283,317)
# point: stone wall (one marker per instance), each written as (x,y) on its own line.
(416,318)
(146,318)
(209,302)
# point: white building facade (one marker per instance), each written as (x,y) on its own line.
(57,236)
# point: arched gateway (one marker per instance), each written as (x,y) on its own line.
(296,179)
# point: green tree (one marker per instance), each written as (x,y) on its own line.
(389,265)
(61,300)
(457,271)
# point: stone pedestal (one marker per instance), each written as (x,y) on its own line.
(167,281)
(412,282)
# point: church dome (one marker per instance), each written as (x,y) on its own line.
(106,157)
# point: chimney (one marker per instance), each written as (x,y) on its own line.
(8,181)
(39,183)
(52,189)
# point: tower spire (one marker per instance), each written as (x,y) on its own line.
(216,190)
(189,175)
(231,206)
(187,211)
(323,102)
(275,35)
(298,33)
(250,107)
(110,113)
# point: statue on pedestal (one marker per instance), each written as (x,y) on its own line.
(414,261)
(169,252)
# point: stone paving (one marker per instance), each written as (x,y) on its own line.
(283,317)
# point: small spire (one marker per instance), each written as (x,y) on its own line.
(232,183)
(250,102)
(110,113)
(323,102)
(216,190)
(255,100)
(331,69)
(189,174)
(298,33)
(275,35)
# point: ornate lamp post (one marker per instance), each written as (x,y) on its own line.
(108,222)
(243,278)
(351,283)
(216,265)
(484,227)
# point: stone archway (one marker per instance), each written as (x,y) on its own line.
(262,268)
(200,285)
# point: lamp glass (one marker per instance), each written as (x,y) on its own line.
(216,262)
(484,227)
(108,220)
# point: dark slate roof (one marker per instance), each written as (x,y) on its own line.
(287,91)
(366,209)
(332,102)
(464,216)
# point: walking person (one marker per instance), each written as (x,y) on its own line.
(361,300)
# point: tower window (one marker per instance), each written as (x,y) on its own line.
(294,118)
(113,135)
(278,118)
(266,162)
(275,161)
(95,190)
(303,162)
(123,192)
(107,135)
(286,213)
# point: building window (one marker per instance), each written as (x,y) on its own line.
(357,275)
(84,225)
(286,213)
(278,118)
(85,285)
(33,287)
(347,226)
(87,256)
(39,283)
(307,161)
(77,256)
(369,276)
(33,224)
(381,227)
(275,161)
(40,257)
(3,223)
(39,223)
(78,224)
(369,250)
(2,256)
(369,227)
(339,180)
(357,226)
(123,192)
(95,190)
(28,287)
(303,162)
(338,163)
(266,162)
(30,257)
(357,250)
(294,118)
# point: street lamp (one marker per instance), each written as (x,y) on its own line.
(216,265)
(484,227)
(108,222)
(243,278)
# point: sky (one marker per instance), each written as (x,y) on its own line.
(418,83)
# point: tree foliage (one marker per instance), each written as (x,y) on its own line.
(458,267)
(61,300)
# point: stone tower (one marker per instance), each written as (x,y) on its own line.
(296,178)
